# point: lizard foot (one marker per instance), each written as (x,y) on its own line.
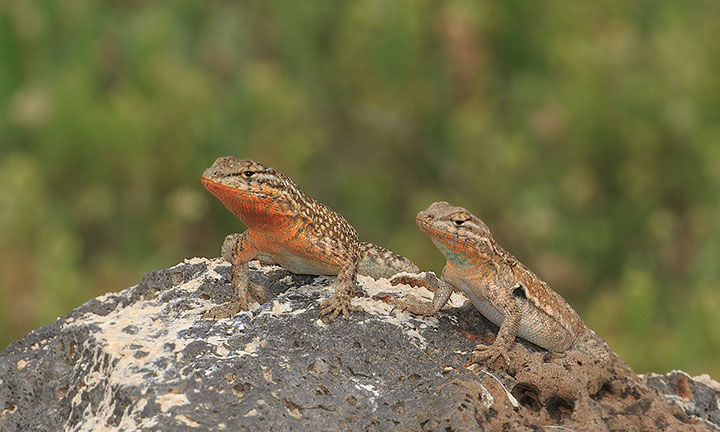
(415,281)
(412,304)
(225,310)
(336,305)
(405,279)
(490,353)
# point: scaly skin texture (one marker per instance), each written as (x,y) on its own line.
(505,291)
(286,227)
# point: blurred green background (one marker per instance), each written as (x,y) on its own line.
(585,134)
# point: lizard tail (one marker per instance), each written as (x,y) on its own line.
(378,262)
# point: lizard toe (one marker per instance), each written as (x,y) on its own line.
(337,305)
(331,312)
(490,354)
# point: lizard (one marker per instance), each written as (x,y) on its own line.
(288,228)
(500,287)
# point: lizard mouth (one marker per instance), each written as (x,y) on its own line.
(218,189)
(207,182)
(214,186)
(432,227)
(424,221)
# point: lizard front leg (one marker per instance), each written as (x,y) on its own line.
(508,306)
(442,291)
(238,249)
(344,287)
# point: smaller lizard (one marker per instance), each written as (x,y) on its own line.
(505,291)
(286,227)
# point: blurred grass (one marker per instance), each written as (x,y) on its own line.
(585,135)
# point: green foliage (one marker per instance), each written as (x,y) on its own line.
(584,134)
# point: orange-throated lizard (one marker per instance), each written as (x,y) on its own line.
(289,228)
(505,291)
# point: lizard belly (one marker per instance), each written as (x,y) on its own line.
(297,256)
(300,265)
(535,325)
(481,303)
(543,330)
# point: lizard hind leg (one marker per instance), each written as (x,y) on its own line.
(504,341)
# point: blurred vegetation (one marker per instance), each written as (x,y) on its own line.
(585,134)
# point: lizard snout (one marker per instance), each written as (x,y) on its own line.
(424,218)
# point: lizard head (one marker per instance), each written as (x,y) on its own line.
(459,235)
(249,189)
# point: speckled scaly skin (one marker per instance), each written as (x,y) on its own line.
(289,228)
(505,291)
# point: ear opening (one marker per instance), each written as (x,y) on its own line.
(519,292)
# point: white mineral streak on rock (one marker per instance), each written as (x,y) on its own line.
(138,345)
(278,308)
(135,347)
(252,347)
(408,322)
(187,421)
(169,400)
(369,388)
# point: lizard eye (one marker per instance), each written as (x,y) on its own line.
(460,219)
(248,174)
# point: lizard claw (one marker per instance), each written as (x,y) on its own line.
(427,280)
(490,353)
(337,304)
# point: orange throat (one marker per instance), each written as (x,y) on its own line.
(255,211)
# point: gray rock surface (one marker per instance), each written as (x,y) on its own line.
(143,359)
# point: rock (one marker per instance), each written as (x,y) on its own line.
(699,396)
(143,359)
